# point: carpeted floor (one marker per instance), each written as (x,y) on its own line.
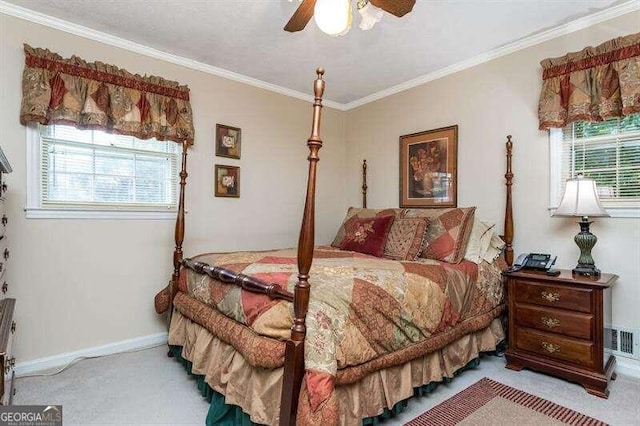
(146,387)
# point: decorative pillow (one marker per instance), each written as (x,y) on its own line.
(495,248)
(362,213)
(406,238)
(479,240)
(367,235)
(448,233)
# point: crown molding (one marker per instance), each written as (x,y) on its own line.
(523,43)
(82,31)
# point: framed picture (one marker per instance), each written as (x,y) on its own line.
(227,181)
(228,141)
(428,168)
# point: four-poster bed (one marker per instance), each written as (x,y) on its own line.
(231,318)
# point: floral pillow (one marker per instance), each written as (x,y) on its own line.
(367,235)
(361,213)
(406,238)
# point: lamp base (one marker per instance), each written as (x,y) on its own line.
(585,240)
(586,270)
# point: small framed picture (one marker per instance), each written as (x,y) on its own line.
(228,141)
(227,181)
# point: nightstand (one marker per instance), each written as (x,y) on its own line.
(556,326)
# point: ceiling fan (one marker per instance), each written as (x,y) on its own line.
(334,16)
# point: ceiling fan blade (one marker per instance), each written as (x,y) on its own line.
(395,7)
(301,16)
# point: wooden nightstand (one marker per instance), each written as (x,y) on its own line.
(556,326)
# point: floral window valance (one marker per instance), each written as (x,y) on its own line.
(100,96)
(595,84)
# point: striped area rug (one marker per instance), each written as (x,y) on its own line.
(487,402)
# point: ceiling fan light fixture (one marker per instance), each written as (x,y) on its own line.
(369,14)
(333,17)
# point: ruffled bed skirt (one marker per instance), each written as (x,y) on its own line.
(252,394)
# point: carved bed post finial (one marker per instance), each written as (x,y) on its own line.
(364,183)
(294,354)
(508,216)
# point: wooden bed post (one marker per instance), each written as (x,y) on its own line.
(364,184)
(294,353)
(179,232)
(508,214)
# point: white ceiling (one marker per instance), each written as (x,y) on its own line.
(246,37)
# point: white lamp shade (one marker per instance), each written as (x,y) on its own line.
(580,199)
(333,17)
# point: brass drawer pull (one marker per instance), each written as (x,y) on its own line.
(551,322)
(13,326)
(550,347)
(4,219)
(550,297)
(5,287)
(6,254)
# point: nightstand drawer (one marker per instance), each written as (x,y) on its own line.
(554,346)
(555,320)
(573,298)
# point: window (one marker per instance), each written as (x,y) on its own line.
(90,173)
(607,151)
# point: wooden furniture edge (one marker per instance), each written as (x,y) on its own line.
(509,228)
(294,352)
(178,235)
(595,384)
(247,282)
(6,306)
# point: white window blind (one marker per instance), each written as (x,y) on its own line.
(608,152)
(94,169)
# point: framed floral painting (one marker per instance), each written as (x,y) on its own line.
(227,182)
(428,168)
(228,141)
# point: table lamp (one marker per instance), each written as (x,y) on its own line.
(580,199)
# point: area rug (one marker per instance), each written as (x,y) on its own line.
(487,402)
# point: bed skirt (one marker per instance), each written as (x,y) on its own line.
(223,414)
(252,394)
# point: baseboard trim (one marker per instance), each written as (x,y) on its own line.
(627,367)
(56,361)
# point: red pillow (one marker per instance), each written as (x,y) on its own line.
(367,235)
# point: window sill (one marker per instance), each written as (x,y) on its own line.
(633,212)
(57,213)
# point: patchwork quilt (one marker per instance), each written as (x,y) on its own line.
(363,310)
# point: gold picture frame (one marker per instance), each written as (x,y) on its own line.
(227,181)
(429,168)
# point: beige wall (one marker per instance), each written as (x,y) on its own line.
(85,283)
(488,102)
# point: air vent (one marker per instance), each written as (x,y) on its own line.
(622,341)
